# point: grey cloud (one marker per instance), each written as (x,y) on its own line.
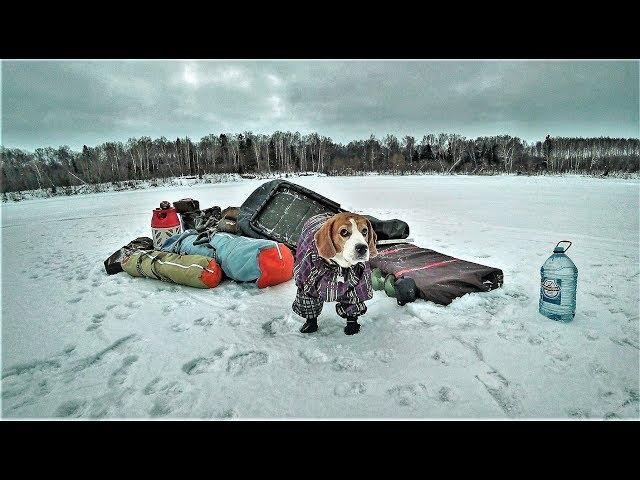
(75,103)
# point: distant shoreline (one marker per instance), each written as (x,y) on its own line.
(132,185)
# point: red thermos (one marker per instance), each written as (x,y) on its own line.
(164,224)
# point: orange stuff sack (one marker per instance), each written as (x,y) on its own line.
(276,265)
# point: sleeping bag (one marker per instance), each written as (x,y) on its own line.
(412,272)
(243,259)
(191,270)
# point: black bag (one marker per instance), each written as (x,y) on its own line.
(389,229)
(200,220)
(112,264)
(186,205)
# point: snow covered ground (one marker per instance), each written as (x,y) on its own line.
(79,343)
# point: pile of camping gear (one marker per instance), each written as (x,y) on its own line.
(256,242)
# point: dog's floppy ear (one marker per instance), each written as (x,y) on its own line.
(372,239)
(324,242)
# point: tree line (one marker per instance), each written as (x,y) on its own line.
(245,153)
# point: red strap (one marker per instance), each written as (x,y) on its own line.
(386,252)
(424,267)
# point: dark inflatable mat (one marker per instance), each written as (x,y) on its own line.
(277,210)
(410,272)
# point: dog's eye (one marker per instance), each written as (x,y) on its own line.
(364,231)
(344,232)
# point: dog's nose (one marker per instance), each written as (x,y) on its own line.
(361,248)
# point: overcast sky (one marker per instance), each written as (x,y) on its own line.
(74,103)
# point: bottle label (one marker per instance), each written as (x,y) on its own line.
(550,290)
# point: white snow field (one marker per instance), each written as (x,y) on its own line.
(79,343)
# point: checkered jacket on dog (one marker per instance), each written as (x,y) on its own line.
(319,281)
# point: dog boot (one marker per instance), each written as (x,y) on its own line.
(310,326)
(352,326)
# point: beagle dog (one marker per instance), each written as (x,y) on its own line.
(332,266)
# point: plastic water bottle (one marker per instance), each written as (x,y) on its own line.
(558,285)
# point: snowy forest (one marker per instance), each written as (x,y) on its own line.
(247,153)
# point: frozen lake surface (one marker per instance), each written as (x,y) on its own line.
(79,343)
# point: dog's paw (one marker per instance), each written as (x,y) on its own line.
(309,326)
(352,328)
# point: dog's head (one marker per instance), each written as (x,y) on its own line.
(346,238)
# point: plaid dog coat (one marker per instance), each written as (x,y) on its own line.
(319,281)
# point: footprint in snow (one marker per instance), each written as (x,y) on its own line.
(203,322)
(74,300)
(240,362)
(119,376)
(438,357)
(314,356)
(152,386)
(348,364)
(502,391)
(70,408)
(349,389)
(168,308)
(180,327)
(213,362)
(446,395)
(385,356)
(578,413)
(404,395)
(591,334)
